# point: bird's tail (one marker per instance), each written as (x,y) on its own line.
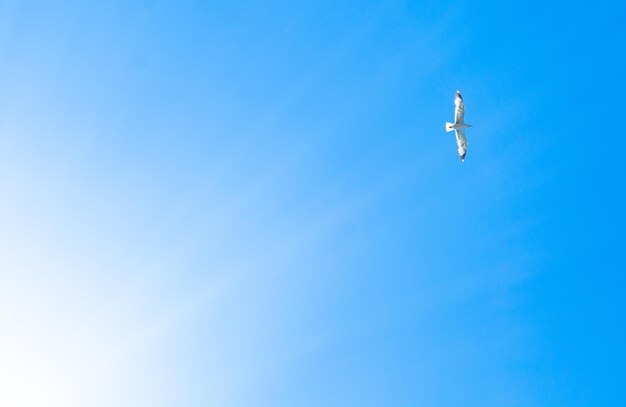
(449,126)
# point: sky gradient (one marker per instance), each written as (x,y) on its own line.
(252,203)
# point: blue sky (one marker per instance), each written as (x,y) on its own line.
(253,203)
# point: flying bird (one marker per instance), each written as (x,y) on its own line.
(459,125)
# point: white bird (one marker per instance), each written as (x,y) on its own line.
(459,125)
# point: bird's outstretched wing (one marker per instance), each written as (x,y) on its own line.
(459,110)
(461,141)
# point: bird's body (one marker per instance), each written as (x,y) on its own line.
(459,125)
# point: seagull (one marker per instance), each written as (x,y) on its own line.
(459,125)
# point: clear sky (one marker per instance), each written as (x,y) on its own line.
(255,203)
